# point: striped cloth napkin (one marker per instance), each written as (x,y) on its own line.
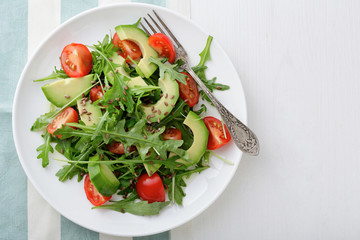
(24,214)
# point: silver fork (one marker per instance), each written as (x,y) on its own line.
(243,137)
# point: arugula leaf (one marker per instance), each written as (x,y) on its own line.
(64,147)
(68,172)
(99,125)
(145,140)
(200,72)
(44,149)
(170,69)
(141,90)
(140,208)
(119,89)
(43,120)
(55,74)
(176,192)
(68,132)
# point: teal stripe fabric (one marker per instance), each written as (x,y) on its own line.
(160,236)
(13,182)
(70,8)
(70,230)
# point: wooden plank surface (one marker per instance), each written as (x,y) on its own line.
(299,64)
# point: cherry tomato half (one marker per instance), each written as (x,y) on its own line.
(189,92)
(217,137)
(76,60)
(171,133)
(68,115)
(163,45)
(128,48)
(116,147)
(150,189)
(96,93)
(92,193)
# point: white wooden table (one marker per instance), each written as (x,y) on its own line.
(299,65)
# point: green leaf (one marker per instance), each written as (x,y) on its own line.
(141,90)
(170,69)
(200,72)
(137,136)
(44,149)
(176,192)
(42,121)
(205,54)
(99,125)
(64,147)
(68,132)
(140,208)
(119,89)
(54,75)
(68,172)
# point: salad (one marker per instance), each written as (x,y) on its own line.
(125,115)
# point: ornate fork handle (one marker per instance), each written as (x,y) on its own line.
(243,137)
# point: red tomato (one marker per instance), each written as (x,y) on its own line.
(171,133)
(92,193)
(128,48)
(216,133)
(189,92)
(68,115)
(163,45)
(116,147)
(96,93)
(76,60)
(150,189)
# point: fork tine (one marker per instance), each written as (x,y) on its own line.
(157,25)
(168,30)
(145,29)
(152,28)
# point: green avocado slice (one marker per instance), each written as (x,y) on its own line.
(138,36)
(201,136)
(63,91)
(159,110)
(102,177)
(89,113)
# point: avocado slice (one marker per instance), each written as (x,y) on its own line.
(133,81)
(159,110)
(102,177)
(90,114)
(63,91)
(201,135)
(138,36)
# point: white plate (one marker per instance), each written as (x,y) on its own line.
(69,198)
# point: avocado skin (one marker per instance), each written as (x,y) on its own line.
(201,136)
(102,177)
